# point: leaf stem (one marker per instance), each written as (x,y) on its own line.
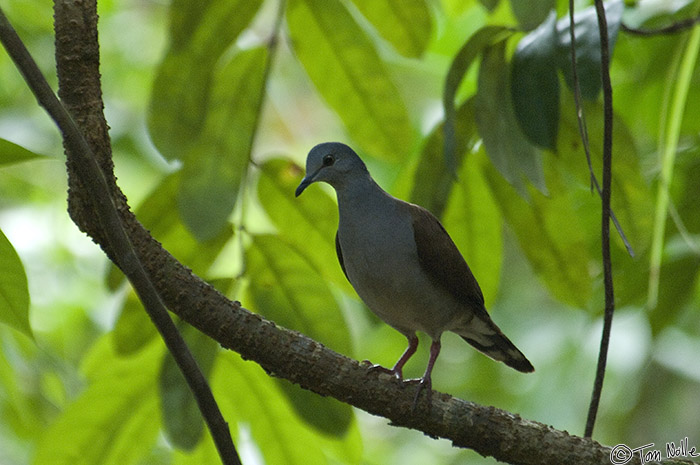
(668,159)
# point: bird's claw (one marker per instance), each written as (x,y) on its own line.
(381,369)
(423,383)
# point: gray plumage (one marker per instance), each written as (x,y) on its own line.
(403,264)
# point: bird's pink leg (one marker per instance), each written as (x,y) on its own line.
(425,381)
(398,368)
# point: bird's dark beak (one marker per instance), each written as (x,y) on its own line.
(310,178)
(304,184)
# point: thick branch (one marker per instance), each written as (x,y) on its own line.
(94,195)
(290,355)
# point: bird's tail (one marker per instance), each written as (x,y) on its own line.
(489,339)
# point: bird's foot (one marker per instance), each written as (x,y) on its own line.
(423,383)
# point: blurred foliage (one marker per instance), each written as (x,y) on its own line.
(464,107)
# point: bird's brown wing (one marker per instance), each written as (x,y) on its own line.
(442,261)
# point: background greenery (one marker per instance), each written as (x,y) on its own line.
(213,106)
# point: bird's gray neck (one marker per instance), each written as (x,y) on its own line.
(360,194)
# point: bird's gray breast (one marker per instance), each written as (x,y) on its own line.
(381,261)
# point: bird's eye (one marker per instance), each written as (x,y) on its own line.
(328,160)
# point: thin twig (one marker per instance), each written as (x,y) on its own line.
(119,243)
(673,28)
(605,226)
(583,129)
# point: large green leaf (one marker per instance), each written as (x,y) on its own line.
(535,84)
(631,199)
(404,23)
(115,420)
(461,63)
(182,418)
(200,33)
(347,71)
(14,292)
(308,222)
(285,288)
(553,235)
(509,151)
(11,153)
(217,159)
(475,224)
(248,396)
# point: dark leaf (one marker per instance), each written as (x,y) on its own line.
(587,46)
(534,84)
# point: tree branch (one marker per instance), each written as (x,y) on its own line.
(90,186)
(288,354)
(605,226)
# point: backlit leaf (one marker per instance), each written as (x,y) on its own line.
(285,288)
(404,23)
(11,153)
(217,159)
(347,71)
(115,421)
(14,292)
(308,222)
(475,224)
(200,33)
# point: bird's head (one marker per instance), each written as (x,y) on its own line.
(331,162)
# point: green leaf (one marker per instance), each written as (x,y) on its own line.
(115,420)
(481,39)
(587,46)
(554,237)
(200,34)
(506,146)
(133,329)
(182,418)
(433,180)
(14,292)
(248,396)
(11,153)
(285,288)
(534,84)
(347,71)
(473,220)
(530,14)
(405,23)
(215,163)
(631,197)
(308,222)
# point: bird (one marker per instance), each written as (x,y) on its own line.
(404,265)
